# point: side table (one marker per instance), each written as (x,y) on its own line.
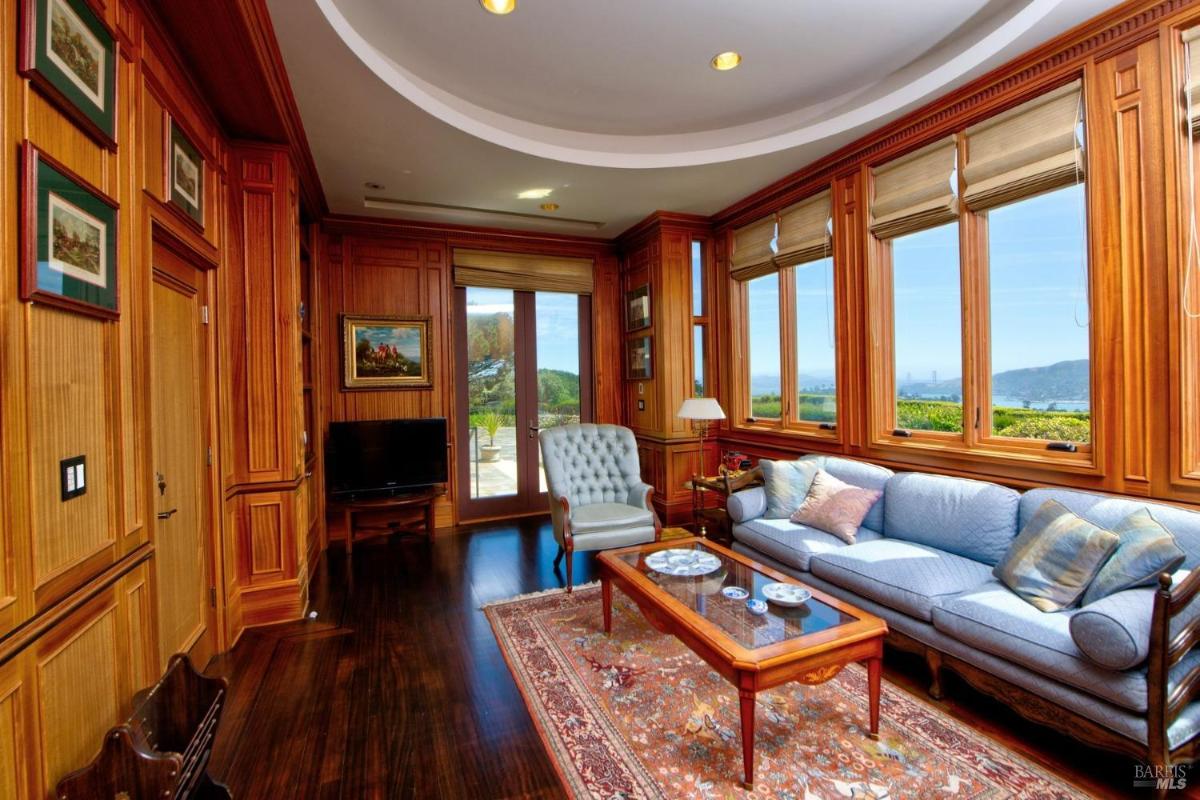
(422,500)
(721,486)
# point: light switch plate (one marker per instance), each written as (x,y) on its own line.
(72,477)
(641,405)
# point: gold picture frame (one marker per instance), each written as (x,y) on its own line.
(386,352)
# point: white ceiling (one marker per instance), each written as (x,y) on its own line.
(613,104)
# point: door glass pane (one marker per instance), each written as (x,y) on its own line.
(1037,256)
(816,356)
(557,364)
(698,361)
(491,392)
(762,311)
(928,330)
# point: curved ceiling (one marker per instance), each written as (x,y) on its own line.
(627,83)
(456,111)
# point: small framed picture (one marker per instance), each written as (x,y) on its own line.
(637,308)
(185,173)
(640,365)
(386,352)
(70,56)
(68,239)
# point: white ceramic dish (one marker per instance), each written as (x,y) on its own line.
(735,593)
(786,594)
(679,562)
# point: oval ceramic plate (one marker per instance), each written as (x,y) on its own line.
(786,594)
(683,563)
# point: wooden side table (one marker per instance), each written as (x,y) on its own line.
(722,486)
(423,500)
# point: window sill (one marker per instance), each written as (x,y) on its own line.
(807,432)
(1081,462)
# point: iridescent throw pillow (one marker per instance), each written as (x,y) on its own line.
(835,507)
(786,484)
(1145,551)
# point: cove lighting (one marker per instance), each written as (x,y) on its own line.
(534,194)
(499,6)
(726,61)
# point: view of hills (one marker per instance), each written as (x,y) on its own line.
(1065,381)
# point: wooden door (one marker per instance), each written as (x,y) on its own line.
(183,544)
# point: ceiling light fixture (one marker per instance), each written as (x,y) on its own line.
(549,206)
(723,62)
(534,194)
(499,6)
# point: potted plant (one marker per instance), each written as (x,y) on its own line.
(491,422)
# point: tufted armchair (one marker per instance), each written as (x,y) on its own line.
(597,497)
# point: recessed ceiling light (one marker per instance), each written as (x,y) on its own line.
(374,186)
(549,206)
(726,61)
(499,6)
(534,194)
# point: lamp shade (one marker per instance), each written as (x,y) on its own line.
(701,408)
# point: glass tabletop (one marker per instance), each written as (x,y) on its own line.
(703,595)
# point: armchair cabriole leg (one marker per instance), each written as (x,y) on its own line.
(653,513)
(570,564)
(567,547)
(558,558)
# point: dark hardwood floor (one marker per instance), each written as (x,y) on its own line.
(398,689)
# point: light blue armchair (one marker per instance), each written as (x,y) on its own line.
(597,497)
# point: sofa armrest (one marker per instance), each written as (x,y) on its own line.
(747,504)
(639,496)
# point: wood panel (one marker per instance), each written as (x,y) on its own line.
(14,741)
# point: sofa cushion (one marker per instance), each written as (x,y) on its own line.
(906,576)
(1114,632)
(996,621)
(1145,551)
(747,504)
(1055,557)
(608,517)
(835,506)
(973,519)
(786,484)
(790,543)
(857,473)
(1107,512)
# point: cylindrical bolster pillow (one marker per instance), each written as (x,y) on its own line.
(747,504)
(1115,632)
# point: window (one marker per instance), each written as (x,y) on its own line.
(927,330)
(765,375)
(816,352)
(700,387)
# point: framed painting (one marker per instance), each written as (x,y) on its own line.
(640,362)
(637,308)
(185,175)
(69,54)
(386,352)
(68,239)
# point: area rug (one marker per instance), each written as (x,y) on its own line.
(638,715)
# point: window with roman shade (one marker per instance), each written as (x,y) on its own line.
(522,272)
(1026,150)
(753,255)
(916,191)
(803,231)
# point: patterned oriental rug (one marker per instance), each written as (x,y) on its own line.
(638,715)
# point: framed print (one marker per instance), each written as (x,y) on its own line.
(70,56)
(640,363)
(185,173)
(637,308)
(68,239)
(381,352)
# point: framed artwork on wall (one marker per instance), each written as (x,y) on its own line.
(68,239)
(640,363)
(185,175)
(637,308)
(386,352)
(70,56)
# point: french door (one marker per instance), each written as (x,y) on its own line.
(524,362)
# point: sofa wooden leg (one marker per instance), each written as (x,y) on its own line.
(934,659)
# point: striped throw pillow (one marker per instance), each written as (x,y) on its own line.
(786,484)
(1055,557)
(1146,550)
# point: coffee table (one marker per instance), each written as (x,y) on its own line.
(810,644)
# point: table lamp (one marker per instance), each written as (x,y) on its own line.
(701,411)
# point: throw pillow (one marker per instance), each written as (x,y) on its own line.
(786,484)
(835,507)
(1146,550)
(1055,557)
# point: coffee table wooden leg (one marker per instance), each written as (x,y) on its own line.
(874,673)
(748,703)
(606,595)
(349,518)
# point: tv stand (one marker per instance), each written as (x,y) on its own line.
(422,499)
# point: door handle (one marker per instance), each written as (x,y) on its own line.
(533,429)
(167,514)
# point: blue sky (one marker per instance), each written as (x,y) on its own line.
(557,323)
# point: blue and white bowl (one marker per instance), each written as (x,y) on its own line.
(756,607)
(735,593)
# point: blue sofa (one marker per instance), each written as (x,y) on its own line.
(1119,673)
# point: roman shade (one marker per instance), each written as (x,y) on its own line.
(1191,40)
(915,191)
(752,253)
(803,231)
(522,272)
(1026,150)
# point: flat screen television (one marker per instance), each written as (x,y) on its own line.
(381,457)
